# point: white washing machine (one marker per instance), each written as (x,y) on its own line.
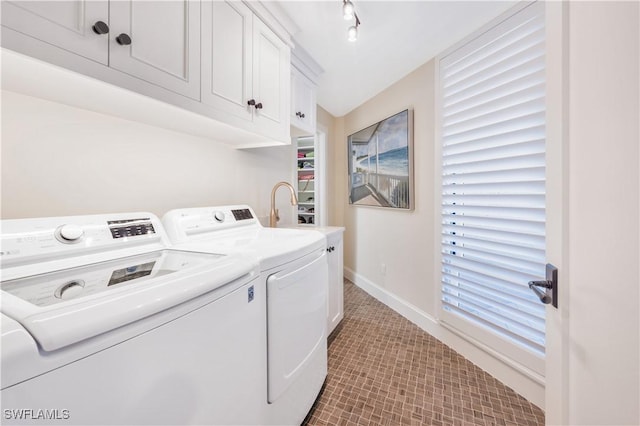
(294,273)
(103,324)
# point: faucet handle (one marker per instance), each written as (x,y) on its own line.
(277,215)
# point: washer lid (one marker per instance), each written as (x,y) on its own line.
(63,307)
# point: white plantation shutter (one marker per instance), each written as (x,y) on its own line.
(493,187)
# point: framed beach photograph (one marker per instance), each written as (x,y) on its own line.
(381,163)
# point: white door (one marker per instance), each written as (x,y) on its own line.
(593,191)
(159,42)
(227,73)
(65,24)
(271,78)
(296,321)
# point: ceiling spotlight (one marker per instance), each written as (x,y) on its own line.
(352,32)
(347,10)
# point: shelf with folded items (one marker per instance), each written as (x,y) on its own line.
(307,166)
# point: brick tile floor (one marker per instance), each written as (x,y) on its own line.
(384,370)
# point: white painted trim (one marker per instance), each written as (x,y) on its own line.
(404,308)
(277,22)
(322,136)
(523,381)
(303,62)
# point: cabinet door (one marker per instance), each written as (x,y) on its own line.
(271,80)
(303,114)
(227,56)
(335,304)
(65,24)
(165,43)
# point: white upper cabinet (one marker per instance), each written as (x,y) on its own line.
(303,102)
(217,59)
(159,42)
(245,68)
(227,46)
(271,88)
(64,24)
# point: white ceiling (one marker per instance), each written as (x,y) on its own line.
(394,38)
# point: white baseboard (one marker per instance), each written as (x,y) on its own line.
(404,308)
(481,356)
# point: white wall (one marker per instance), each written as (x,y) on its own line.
(401,240)
(61,160)
(603,213)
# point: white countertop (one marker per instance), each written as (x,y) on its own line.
(327,230)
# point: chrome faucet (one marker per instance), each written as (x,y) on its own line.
(273,214)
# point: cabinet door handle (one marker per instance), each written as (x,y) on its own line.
(251,102)
(259,105)
(100,28)
(123,39)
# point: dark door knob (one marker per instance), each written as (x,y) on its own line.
(123,39)
(301,115)
(259,105)
(100,28)
(251,102)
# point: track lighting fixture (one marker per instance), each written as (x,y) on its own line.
(349,12)
(352,32)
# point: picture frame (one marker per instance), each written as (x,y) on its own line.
(381,163)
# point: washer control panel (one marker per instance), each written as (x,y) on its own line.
(131,227)
(242,214)
(32,240)
(183,225)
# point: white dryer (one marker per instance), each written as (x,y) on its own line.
(294,273)
(103,324)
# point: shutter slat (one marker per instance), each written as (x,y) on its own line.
(505,151)
(526,63)
(511,100)
(506,324)
(473,315)
(505,188)
(499,261)
(502,296)
(535,118)
(510,289)
(499,60)
(496,139)
(512,175)
(495,303)
(483,95)
(492,200)
(520,30)
(504,114)
(495,164)
(503,249)
(505,237)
